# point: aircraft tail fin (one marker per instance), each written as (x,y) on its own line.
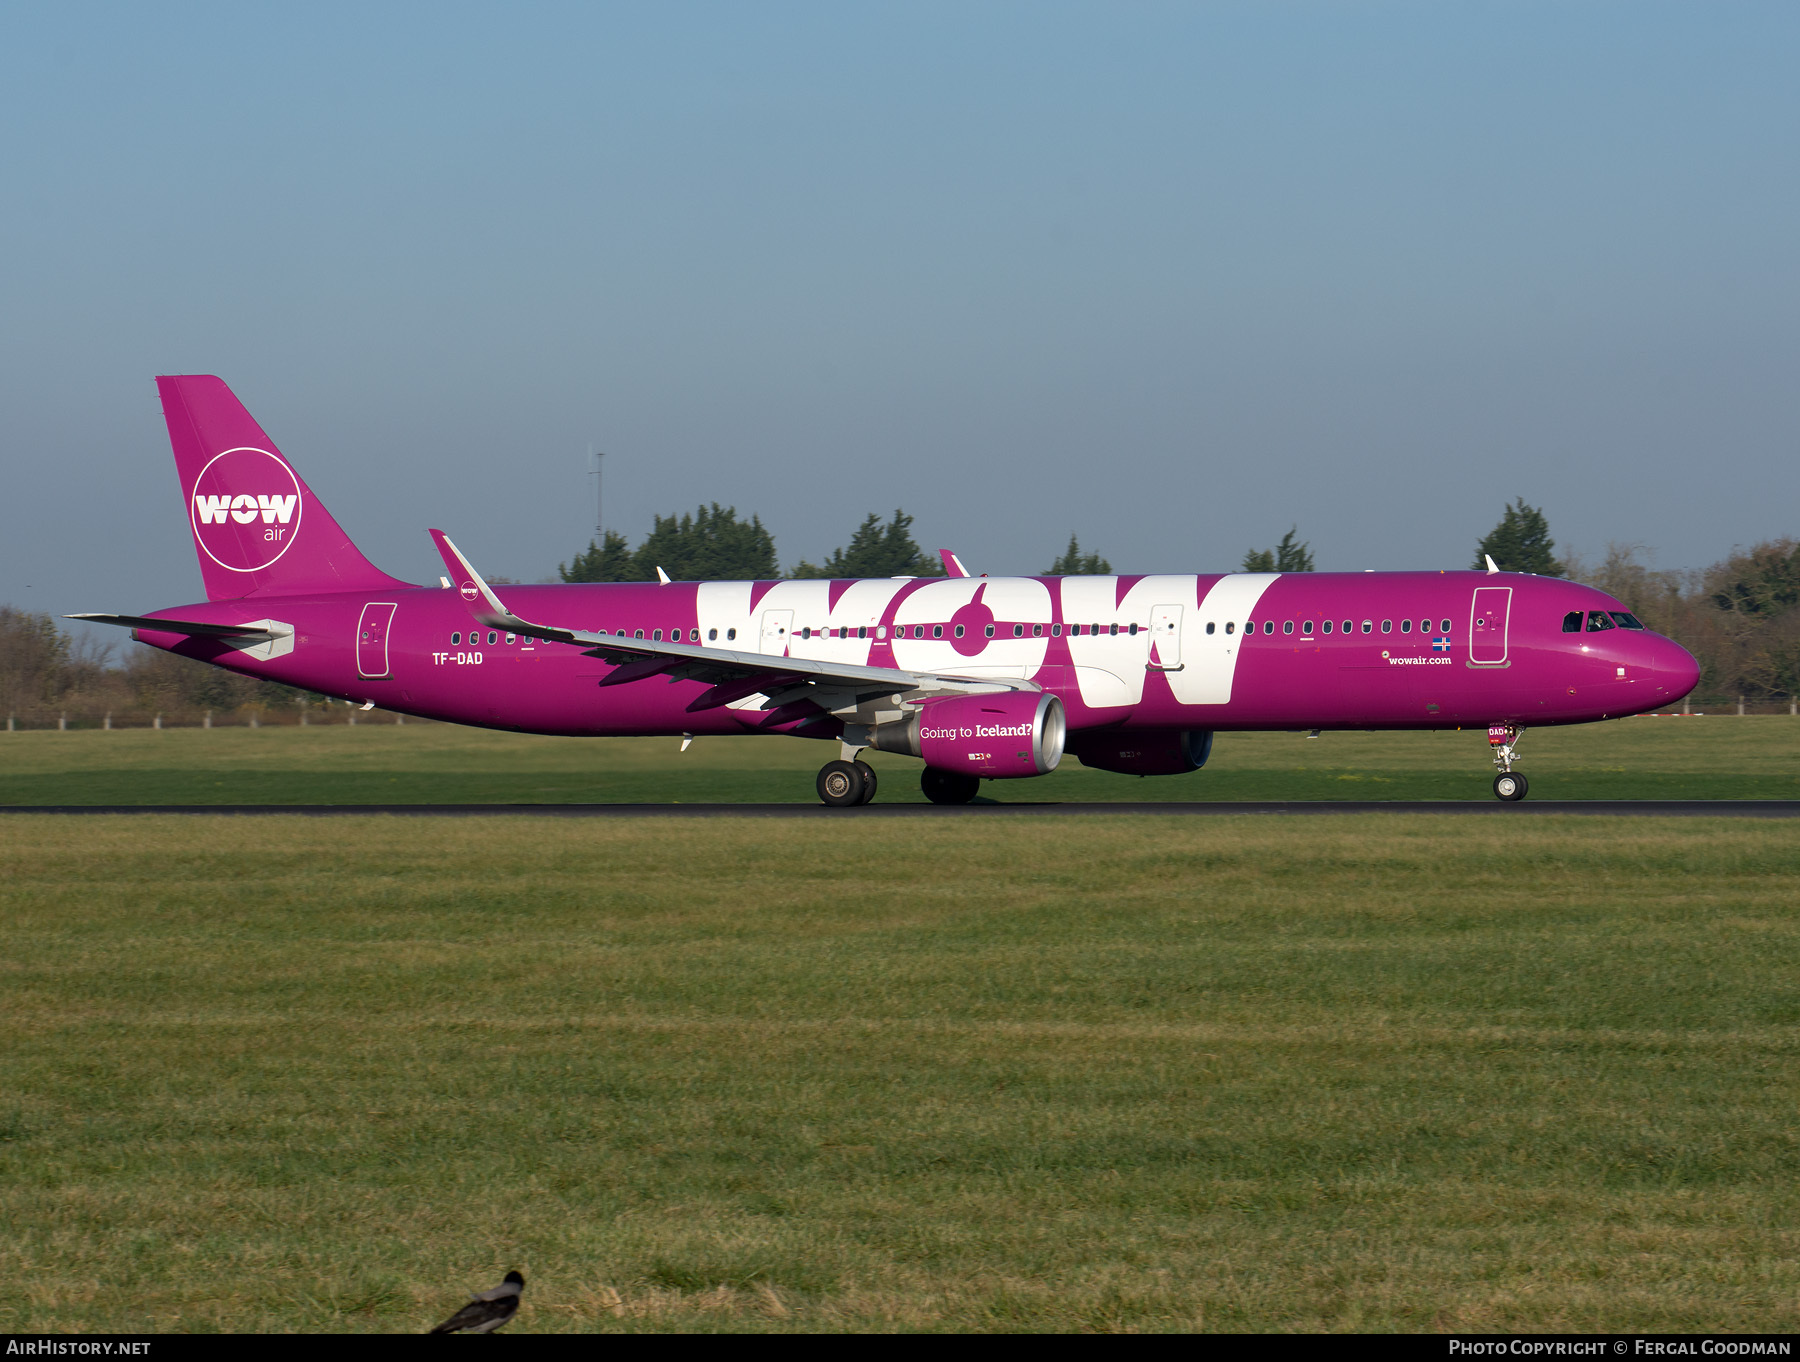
(258,529)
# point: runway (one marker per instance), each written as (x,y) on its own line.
(1629,808)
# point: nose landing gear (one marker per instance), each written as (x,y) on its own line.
(1509,785)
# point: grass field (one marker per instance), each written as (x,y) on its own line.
(1702,758)
(1135,1073)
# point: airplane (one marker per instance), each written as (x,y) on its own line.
(981,678)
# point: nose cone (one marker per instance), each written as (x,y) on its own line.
(1674,672)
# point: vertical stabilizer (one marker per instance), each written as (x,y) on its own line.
(258,529)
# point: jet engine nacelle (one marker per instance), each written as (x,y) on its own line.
(997,737)
(1144,752)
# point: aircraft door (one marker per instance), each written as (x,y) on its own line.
(372,640)
(1165,638)
(1487,625)
(777,626)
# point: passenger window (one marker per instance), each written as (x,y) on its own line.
(1406,626)
(1287,626)
(1572,622)
(958,631)
(937,631)
(1444,628)
(1387,626)
(1056,631)
(730,634)
(655,636)
(1115,631)
(1230,626)
(712,635)
(1368,626)
(1018,631)
(1209,626)
(1598,621)
(862,631)
(693,635)
(1626,619)
(1306,628)
(988,630)
(456,639)
(639,633)
(1037,631)
(1268,626)
(495,638)
(1326,626)
(1134,629)
(1349,626)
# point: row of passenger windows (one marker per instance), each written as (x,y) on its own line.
(1598,620)
(1326,626)
(475,638)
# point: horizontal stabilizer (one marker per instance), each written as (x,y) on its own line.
(189,627)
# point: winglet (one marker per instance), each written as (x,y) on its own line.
(662,576)
(1493,567)
(471,584)
(952,564)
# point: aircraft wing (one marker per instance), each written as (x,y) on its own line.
(731,675)
(188,627)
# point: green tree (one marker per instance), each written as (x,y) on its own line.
(1075,563)
(1520,543)
(877,550)
(712,545)
(1290,555)
(606,560)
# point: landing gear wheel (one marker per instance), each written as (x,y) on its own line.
(948,787)
(867,773)
(1510,786)
(841,784)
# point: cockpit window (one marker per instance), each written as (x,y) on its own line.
(1598,620)
(1625,619)
(1572,622)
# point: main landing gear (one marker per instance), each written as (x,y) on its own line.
(843,784)
(1509,785)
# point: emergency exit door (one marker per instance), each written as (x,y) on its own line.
(1165,638)
(372,640)
(1487,625)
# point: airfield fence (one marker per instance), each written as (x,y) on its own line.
(330,714)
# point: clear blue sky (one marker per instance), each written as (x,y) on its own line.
(1172,276)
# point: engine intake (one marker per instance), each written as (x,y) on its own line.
(1144,752)
(999,737)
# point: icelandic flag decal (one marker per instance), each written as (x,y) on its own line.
(1441,644)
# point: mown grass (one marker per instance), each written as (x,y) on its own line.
(1701,758)
(1136,1073)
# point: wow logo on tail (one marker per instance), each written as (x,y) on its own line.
(246,509)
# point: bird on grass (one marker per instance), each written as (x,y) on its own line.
(486,1311)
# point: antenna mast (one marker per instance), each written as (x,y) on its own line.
(600,519)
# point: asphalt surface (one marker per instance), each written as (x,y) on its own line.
(1637,808)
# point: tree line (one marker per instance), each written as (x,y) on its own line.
(1740,617)
(712,545)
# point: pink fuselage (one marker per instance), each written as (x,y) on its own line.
(1423,650)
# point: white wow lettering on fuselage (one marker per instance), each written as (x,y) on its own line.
(244,508)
